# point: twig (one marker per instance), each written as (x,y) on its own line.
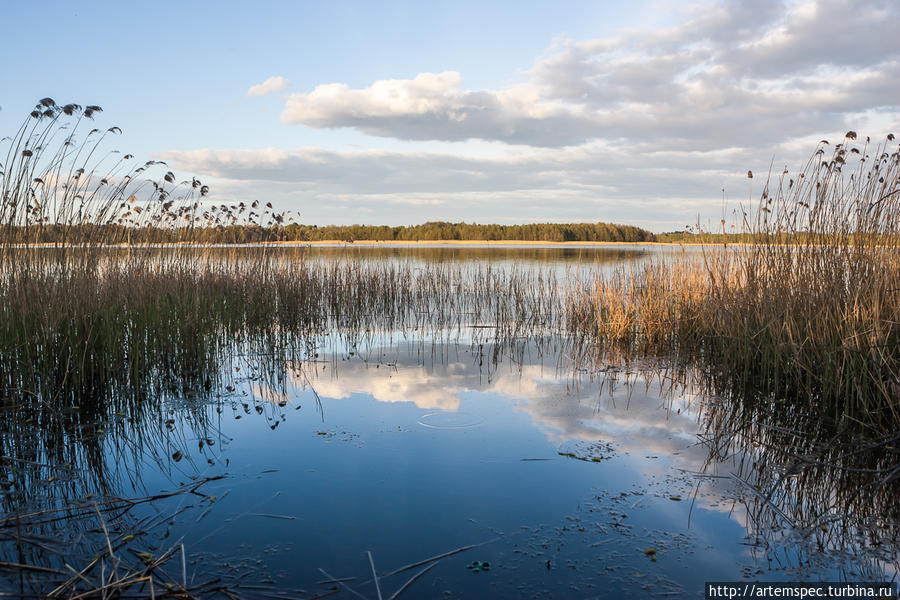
(432,559)
(19,566)
(327,581)
(374,575)
(77,576)
(127,502)
(343,585)
(693,500)
(771,505)
(112,555)
(412,579)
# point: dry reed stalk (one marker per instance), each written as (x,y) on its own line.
(809,311)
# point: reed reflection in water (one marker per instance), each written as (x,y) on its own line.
(122,416)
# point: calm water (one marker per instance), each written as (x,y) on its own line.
(571,482)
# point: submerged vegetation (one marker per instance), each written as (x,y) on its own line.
(797,335)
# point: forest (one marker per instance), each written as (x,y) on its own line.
(249,233)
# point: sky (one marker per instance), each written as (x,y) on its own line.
(645,112)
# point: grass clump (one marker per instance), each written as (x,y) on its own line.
(810,310)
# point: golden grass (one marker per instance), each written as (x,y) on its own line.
(809,311)
(814,320)
(95,339)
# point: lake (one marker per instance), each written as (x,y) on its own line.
(483,459)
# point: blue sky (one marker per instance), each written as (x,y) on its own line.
(401,112)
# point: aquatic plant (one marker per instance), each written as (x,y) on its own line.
(96,339)
(809,311)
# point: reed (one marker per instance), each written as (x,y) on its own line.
(98,335)
(796,473)
(809,312)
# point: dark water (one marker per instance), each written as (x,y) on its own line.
(570,478)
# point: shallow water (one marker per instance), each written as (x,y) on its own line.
(569,481)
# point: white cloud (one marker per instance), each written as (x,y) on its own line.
(270,85)
(429,390)
(731,71)
(646,127)
(434,106)
(630,412)
(655,188)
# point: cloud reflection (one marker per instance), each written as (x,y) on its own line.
(625,409)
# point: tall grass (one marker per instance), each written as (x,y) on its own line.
(100,338)
(82,320)
(809,485)
(808,312)
(57,173)
(95,338)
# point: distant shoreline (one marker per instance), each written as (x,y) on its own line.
(478,243)
(373,243)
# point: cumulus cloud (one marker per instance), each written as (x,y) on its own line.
(429,390)
(731,70)
(379,171)
(647,127)
(270,85)
(661,190)
(632,413)
(434,106)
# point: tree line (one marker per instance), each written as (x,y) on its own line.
(253,233)
(446,231)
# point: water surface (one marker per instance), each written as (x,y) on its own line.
(545,470)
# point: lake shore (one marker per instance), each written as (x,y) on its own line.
(409,243)
(479,243)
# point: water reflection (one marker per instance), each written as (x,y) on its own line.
(662,425)
(501,254)
(282,454)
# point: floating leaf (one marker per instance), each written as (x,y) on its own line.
(477,566)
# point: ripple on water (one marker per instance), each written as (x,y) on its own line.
(450,420)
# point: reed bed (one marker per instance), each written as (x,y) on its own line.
(122,351)
(153,318)
(809,486)
(98,337)
(809,312)
(835,485)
